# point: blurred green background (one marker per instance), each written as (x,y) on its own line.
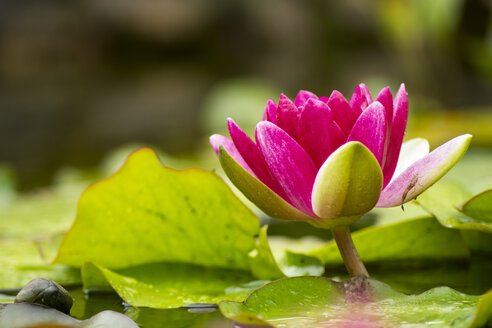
(81,78)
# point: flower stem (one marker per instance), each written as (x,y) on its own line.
(354,265)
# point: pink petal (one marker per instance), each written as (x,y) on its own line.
(366,93)
(217,140)
(251,154)
(386,99)
(424,172)
(323,99)
(270,113)
(257,192)
(370,129)
(289,165)
(342,112)
(398,126)
(303,96)
(318,134)
(288,116)
(358,102)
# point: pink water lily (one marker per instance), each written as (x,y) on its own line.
(329,160)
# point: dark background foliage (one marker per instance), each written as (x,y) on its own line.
(79,78)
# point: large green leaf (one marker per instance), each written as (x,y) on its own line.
(320,302)
(413,240)
(148,213)
(444,201)
(171,285)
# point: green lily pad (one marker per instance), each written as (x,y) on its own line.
(148,213)
(479,206)
(415,240)
(171,285)
(359,302)
(444,201)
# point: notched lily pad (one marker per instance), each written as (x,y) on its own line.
(359,302)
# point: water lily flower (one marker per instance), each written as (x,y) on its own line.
(328,161)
